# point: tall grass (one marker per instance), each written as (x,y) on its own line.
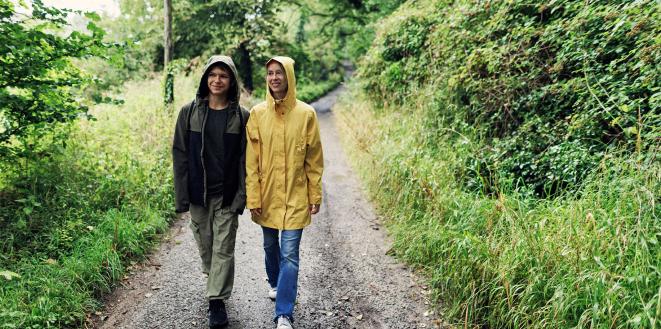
(69,227)
(509,259)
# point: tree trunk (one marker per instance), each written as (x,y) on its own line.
(245,67)
(167,46)
(167,56)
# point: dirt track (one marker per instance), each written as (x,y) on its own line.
(346,280)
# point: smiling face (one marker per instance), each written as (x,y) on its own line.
(276,77)
(219,81)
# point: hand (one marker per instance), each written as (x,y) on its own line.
(256,212)
(313,208)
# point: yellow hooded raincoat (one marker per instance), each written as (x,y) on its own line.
(284,159)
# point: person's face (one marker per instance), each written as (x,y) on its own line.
(276,77)
(219,81)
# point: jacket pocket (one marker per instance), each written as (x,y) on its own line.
(300,149)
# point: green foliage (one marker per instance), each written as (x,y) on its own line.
(548,88)
(474,110)
(70,228)
(140,28)
(300,31)
(168,85)
(249,31)
(201,22)
(252,32)
(344,27)
(309,91)
(591,260)
(40,87)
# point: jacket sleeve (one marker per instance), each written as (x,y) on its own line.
(253,181)
(239,202)
(180,160)
(314,160)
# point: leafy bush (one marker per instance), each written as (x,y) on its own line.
(549,87)
(469,111)
(310,91)
(589,260)
(40,87)
(69,227)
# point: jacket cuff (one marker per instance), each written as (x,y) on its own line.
(314,198)
(253,203)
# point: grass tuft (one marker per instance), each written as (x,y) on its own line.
(509,259)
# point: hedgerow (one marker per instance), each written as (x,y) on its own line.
(512,146)
(548,87)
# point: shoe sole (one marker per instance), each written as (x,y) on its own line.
(220,325)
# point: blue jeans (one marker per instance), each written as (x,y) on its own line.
(282,267)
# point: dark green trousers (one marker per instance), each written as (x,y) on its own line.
(214,229)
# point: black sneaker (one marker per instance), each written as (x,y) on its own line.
(217,314)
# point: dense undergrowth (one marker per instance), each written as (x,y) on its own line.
(72,218)
(526,186)
(589,260)
(547,87)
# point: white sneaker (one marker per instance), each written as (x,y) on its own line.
(273,292)
(283,323)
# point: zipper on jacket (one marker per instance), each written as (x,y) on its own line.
(204,169)
(204,123)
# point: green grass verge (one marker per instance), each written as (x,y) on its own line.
(510,260)
(85,209)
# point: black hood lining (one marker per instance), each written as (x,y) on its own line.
(233,93)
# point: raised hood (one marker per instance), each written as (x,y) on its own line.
(290,99)
(203,89)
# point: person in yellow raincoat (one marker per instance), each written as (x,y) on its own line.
(284,164)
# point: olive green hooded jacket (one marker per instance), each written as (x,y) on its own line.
(188,147)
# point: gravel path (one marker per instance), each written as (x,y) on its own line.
(346,280)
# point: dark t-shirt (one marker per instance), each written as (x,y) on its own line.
(214,150)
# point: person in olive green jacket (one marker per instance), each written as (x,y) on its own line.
(284,164)
(209,176)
